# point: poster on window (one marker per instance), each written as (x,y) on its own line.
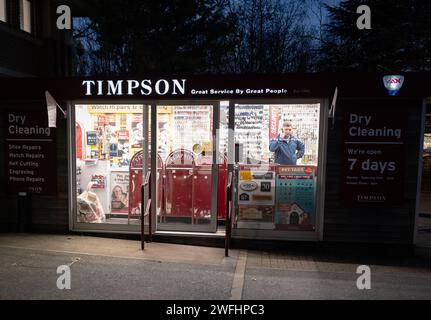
(110,118)
(123,135)
(98,181)
(102,120)
(119,192)
(113,150)
(295,209)
(256,197)
(256,186)
(91,138)
(255,217)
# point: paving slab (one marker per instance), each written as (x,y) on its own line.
(118,248)
(32,274)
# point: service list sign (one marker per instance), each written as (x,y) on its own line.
(373,153)
(30,158)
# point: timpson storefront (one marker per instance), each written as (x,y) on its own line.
(199,156)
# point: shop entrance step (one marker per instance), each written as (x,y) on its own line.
(216,239)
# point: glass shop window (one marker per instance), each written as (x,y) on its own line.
(108,140)
(278,147)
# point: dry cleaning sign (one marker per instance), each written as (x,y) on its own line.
(30,154)
(373,154)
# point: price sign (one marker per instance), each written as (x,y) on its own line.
(265,186)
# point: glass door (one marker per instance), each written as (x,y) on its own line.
(107,166)
(184,137)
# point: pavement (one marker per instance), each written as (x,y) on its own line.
(105,268)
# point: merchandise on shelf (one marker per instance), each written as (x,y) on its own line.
(251,131)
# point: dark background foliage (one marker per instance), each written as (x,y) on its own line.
(255,36)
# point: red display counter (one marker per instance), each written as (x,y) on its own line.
(135,170)
(178,184)
(188,186)
(202,187)
(222,189)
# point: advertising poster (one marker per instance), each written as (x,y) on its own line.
(110,118)
(256,213)
(91,138)
(113,150)
(256,197)
(123,135)
(256,187)
(98,181)
(373,154)
(102,120)
(255,217)
(295,209)
(119,192)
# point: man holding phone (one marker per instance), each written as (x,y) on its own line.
(286,147)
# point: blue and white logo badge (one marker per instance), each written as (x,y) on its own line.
(393,83)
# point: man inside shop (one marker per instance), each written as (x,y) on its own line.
(286,147)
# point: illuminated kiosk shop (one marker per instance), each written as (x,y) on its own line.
(356,181)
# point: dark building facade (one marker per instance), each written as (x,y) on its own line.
(32,46)
(359,182)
